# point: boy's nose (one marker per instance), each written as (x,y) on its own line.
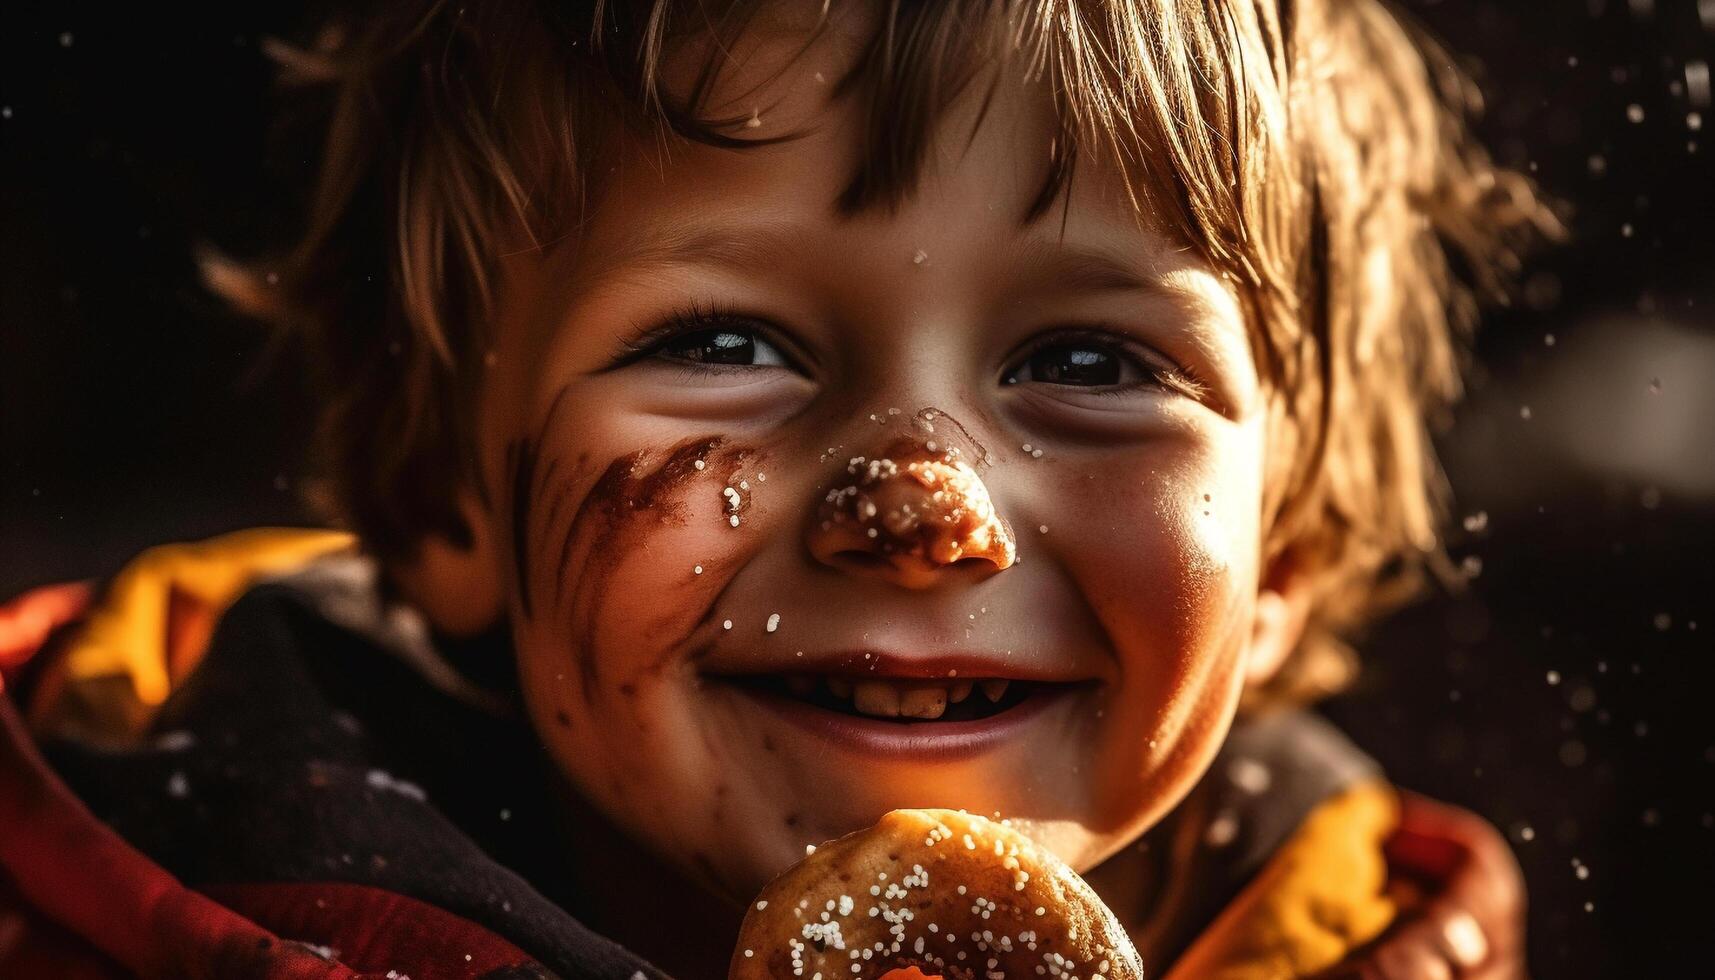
(909,515)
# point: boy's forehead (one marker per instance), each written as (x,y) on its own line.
(665,198)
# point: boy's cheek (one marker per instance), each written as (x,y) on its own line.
(626,587)
(1170,571)
(619,572)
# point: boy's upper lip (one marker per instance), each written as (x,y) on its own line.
(897,665)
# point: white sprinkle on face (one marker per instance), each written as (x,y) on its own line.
(698,569)
(1042,528)
(761,905)
(773,622)
(699,464)
(726,624)
(733,520)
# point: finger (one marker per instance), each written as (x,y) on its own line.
(1473,869)
(1455,939)
(1412,957)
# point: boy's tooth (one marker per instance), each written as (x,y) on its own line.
(994,687)
(800,685)
(876,698)
(841,687)
(923,702)
(959,691)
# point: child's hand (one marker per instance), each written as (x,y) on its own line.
(1469,921)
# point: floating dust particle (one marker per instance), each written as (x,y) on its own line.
(1476,523)
(1524,412)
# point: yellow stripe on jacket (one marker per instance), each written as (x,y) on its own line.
(151,624)
(1321,896)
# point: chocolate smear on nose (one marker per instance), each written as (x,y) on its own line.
(920,497)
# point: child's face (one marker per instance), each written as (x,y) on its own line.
(807,339)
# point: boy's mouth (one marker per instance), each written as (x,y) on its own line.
(906,706)
(898,699)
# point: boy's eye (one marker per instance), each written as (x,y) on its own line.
(1082,364)
(730,346)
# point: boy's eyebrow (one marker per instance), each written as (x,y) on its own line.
(716,242)
(1092,269)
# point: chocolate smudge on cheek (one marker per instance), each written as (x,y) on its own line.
(625,500)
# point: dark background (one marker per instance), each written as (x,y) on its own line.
(1566,694)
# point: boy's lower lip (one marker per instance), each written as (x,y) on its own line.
(942,741)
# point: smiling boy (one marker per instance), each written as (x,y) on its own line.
(939,405)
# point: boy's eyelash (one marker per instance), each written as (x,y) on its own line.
(1172,376)
(644,341)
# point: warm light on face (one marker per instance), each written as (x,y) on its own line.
(732,660)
